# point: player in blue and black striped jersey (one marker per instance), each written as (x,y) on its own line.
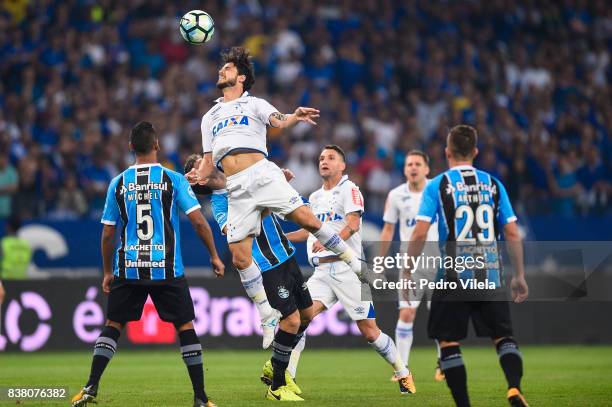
(144,203)
(281,277)
(473,209)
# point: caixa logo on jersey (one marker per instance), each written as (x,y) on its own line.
(328,216)
(232,121)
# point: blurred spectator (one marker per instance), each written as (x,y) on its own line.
(8,185)
(565,186)
(71,201)
(15,253)
(595,182)
(96,178)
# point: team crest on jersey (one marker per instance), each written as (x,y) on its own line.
(232,121)
(283,292)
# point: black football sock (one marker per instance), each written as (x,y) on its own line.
(452,365)
(281,352)
(104,350)
(191,350)
(511,361)
(300,333)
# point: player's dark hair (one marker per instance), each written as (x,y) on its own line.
(420,154)
(239,56)
(337,149)
(143,137)
(190,162)
(462,140)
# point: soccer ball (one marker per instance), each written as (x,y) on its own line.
(197,27)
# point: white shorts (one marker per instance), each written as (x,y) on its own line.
(416,296)
(333,282)
(252,190)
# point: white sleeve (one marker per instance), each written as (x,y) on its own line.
(263,109)
(391,214)
(206,135)
(352,199)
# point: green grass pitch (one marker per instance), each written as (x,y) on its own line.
(554,376)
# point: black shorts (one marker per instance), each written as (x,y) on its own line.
(286,289)
(448,319)
(170,297)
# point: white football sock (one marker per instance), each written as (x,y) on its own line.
(403,339)
(331,240)
(386,348)
(334,243)
(252,281)
(295,355)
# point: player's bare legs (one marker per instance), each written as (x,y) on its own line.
(304,218)
(251,279)
(511,362)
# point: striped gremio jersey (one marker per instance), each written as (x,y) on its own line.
(144,202)
(236,125)
(472,207)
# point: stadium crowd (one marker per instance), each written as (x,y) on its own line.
(388,76)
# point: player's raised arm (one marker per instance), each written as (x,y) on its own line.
(301,114)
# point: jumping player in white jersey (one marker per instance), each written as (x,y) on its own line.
(402,206)
(339,204)
(234,141)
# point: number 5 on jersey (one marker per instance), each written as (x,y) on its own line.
(144,221)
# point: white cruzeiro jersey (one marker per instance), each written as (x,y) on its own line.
(403,205)
(239,124)
(331,207)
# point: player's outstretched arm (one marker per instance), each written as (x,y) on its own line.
(202,229)
(301,114)
(519,287)
(108,248)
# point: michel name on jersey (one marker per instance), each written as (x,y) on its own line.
(143,192)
